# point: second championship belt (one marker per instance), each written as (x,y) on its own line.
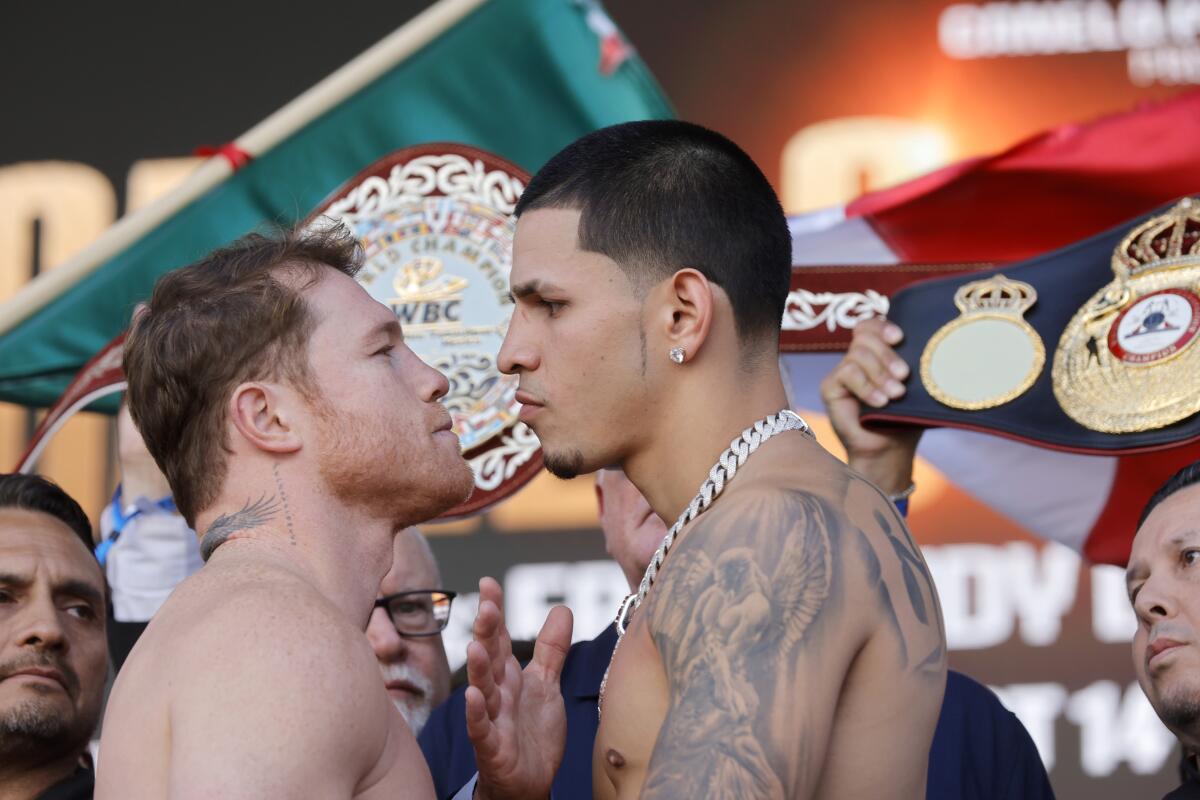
(1121,311)
(1127,361)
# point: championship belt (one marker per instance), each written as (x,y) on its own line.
(1126,361)
(1123,309)
(988,356)
(435,222)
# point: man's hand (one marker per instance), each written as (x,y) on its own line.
(515,718)
(872,373)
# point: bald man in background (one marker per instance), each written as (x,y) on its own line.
(413,662)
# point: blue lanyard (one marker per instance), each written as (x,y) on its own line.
(123,515)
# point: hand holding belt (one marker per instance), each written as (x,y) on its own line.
(1119,312)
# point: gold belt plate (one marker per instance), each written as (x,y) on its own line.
(1127,361)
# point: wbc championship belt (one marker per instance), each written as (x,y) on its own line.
(435,222)
(1127,360)
(1123,308)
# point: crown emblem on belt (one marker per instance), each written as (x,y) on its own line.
(1127,362)
(1169,240)
(997,294)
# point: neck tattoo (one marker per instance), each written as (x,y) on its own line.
(287,509)
(252,515)
(740,449)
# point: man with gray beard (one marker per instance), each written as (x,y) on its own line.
(406,627)
(53,651)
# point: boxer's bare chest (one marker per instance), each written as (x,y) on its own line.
(635,704)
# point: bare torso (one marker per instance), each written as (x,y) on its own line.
(249,683)
(792,646)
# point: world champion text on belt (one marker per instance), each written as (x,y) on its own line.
(435,222)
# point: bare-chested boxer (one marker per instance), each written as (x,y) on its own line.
(791,645)
(298,434)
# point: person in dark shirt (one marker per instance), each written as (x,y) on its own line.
(53,651)
(1164,587)
(632,531)
(981,750)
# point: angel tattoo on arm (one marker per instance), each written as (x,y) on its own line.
(727,615)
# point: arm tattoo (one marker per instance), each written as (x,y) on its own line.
(254,513)
(916,581)
(742,598)
(733,604)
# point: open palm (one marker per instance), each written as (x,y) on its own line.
(515,717)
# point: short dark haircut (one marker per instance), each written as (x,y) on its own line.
(1186,477)
(35,493)
(660,195)
(232,316)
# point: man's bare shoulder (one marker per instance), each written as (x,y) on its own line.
(817,536)
(872,558)
(767,543)
(257,618)
(252,658)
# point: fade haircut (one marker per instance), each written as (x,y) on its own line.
(1188,476)
(660,195)
(35,493)
(236,315)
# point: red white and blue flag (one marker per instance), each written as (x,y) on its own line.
(1050,190)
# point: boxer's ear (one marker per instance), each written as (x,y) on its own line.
(691,305)
(260,414)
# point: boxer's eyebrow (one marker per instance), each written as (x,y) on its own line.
(390,328)
(15,580)
(533,286)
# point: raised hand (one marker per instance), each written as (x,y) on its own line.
(873,374)
(515,718)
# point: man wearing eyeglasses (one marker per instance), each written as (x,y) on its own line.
(406,627)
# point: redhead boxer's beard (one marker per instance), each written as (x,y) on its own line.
(371,466)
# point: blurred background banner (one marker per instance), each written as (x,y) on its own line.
(1051,190)
(518,78)
(833,100)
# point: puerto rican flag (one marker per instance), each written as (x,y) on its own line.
(1046,192)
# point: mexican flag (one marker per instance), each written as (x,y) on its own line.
(518,78)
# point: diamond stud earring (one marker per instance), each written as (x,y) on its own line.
(677,354)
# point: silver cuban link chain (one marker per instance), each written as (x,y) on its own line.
(722,472)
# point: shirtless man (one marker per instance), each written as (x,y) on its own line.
(791,645)
(299,434)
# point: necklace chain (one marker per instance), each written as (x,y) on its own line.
(721,473)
